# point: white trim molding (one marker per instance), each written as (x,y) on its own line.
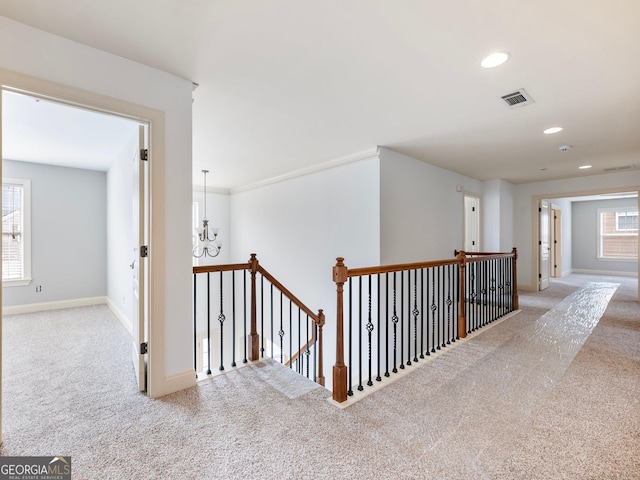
(59,305)
(180,381)
(338,162)
(126,323)
(612,273)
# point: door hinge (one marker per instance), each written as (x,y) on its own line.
(540,276)
(144,251)
(539,209)
(539,242)
(144,348)
(144,154)
(473,242)
(473,209)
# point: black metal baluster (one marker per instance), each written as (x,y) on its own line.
(434,308)
(315,355)
(208,325)
(386,322)
(426,289)
(233,318)
(415,312)
(408,338)
(299,360)
(350,369)
(456,302)
(471,288)
(308,352)
(442,303)
(273,340)
(401,320)
(221,319)
(290,334)
(261,316)
(379,377)
(508,284)
(394,319)
(370,329)
(195,326)
(281,331)
(360,387)
(422,313)
(244,281)
(449,302)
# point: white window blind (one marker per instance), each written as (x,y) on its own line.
(16,245)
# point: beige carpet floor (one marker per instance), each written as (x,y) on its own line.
(550,393)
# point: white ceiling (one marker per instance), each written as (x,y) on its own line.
(40,131)
(287,84)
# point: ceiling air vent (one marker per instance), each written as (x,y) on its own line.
(517,99)
(615,169)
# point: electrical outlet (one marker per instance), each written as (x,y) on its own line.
(38,288)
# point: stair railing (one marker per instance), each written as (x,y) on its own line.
(260,315)
(397,315)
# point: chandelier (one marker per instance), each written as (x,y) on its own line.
(206,237)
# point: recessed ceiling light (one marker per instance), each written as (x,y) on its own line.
(584,167)
(495,59)
(552,130)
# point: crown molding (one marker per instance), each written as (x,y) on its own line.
(338,162)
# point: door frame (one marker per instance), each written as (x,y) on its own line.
(556,241)
(535,224)
(477,197)
(65,94)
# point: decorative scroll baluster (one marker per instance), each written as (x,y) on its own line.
(208,326)
(386,323)
(379,377)
(426,289)
(473,296)
(449,302)
(394,319)
(422,314)
(233,318)
(401,321)
(408,337)
(442,302)
(221,319)
(434,309)
(370,329)
(415,312)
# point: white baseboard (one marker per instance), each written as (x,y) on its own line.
(59,305)
(605,272)
(178,382)
(126,323)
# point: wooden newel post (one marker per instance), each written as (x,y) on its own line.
(340,276)
(255,339)
(462,318)
(515,279)
(321,319)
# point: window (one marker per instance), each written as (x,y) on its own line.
(16,232)
(618,233)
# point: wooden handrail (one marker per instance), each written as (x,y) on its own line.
(222,268)
(318,319)
(287,293)
(342,274)
(360,272)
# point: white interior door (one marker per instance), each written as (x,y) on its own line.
(544,245)
(140,259)
(471,223)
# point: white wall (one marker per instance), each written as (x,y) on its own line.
(421,211)
(39,54)
(299,226)
(68,234)
(524,219)
(497,216)
(120,230)
(585,237)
